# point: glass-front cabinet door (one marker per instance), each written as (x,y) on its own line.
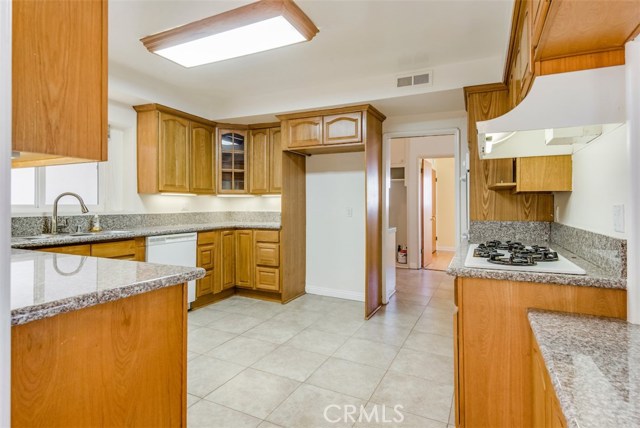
(232,163)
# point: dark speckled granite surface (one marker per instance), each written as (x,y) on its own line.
(594,365)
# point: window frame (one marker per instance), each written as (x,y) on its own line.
(40,207)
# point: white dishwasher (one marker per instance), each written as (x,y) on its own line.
(179,250)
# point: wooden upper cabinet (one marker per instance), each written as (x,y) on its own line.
(336,130)
(232,149)
(275,160)
(176,151)
(59,81)
(305,132)
(259,177)
(343,128)
(202,159)
(174,158)
(544,174)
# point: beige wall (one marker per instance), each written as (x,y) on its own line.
(445,203)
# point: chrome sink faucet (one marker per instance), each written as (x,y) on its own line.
(54,217)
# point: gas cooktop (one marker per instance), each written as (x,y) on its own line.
(519,257)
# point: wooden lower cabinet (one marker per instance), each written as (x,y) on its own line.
(83,368)
(493,365)
(129,249)
(267,260)
(208,244)
(545,405)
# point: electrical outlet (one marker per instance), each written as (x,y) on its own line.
(618,218)
(349,212)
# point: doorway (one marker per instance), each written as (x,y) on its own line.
(437,212)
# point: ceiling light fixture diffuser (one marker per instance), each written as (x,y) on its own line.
(256,27)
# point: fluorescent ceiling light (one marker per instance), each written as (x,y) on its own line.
(256,27)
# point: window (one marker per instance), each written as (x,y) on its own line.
(38,187)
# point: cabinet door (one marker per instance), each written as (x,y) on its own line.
(60,78)
(228,262)
(305,132)
(232,162)
(267,278)
(173,156)
(202,159)
(206,256)
(544,174)
(343,128)
(244,262)
(259,161)
(539,391)
(204,285)
(275,160)
(397,151)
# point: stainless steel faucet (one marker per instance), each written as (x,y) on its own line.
(54,217)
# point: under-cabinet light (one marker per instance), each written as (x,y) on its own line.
(237,196)
(177,194)
(256,27)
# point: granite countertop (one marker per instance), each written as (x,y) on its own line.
(63,239)
(46,284)
(594,366)
(595,276)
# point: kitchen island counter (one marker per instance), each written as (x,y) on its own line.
(46,284)
(594,366)
(595,277)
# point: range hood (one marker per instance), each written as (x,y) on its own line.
(560,110)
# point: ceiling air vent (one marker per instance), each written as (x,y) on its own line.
(421,78)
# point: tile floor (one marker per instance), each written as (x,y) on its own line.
(260,364)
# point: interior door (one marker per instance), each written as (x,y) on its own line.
(427,212)
(434,236)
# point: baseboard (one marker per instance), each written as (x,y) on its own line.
(390,293)
(443,248)
(332,292)
(413,266)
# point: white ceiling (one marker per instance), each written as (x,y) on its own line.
(360,49)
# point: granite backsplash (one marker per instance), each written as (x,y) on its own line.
(609,254)
(26,226)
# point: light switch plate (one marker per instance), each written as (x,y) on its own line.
(618,218)
(349,212)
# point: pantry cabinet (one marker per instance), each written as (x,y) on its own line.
(59,82)
(176,151)
(265,161)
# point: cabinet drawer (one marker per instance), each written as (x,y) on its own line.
(206,256)
(267,279)
(305,132)
(267,254)
(115,250)
(267,236)
(207,237)
(343,128)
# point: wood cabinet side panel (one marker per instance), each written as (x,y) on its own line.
(496,342)
(485,204)
(147,151)
(87,367)
(373,203)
